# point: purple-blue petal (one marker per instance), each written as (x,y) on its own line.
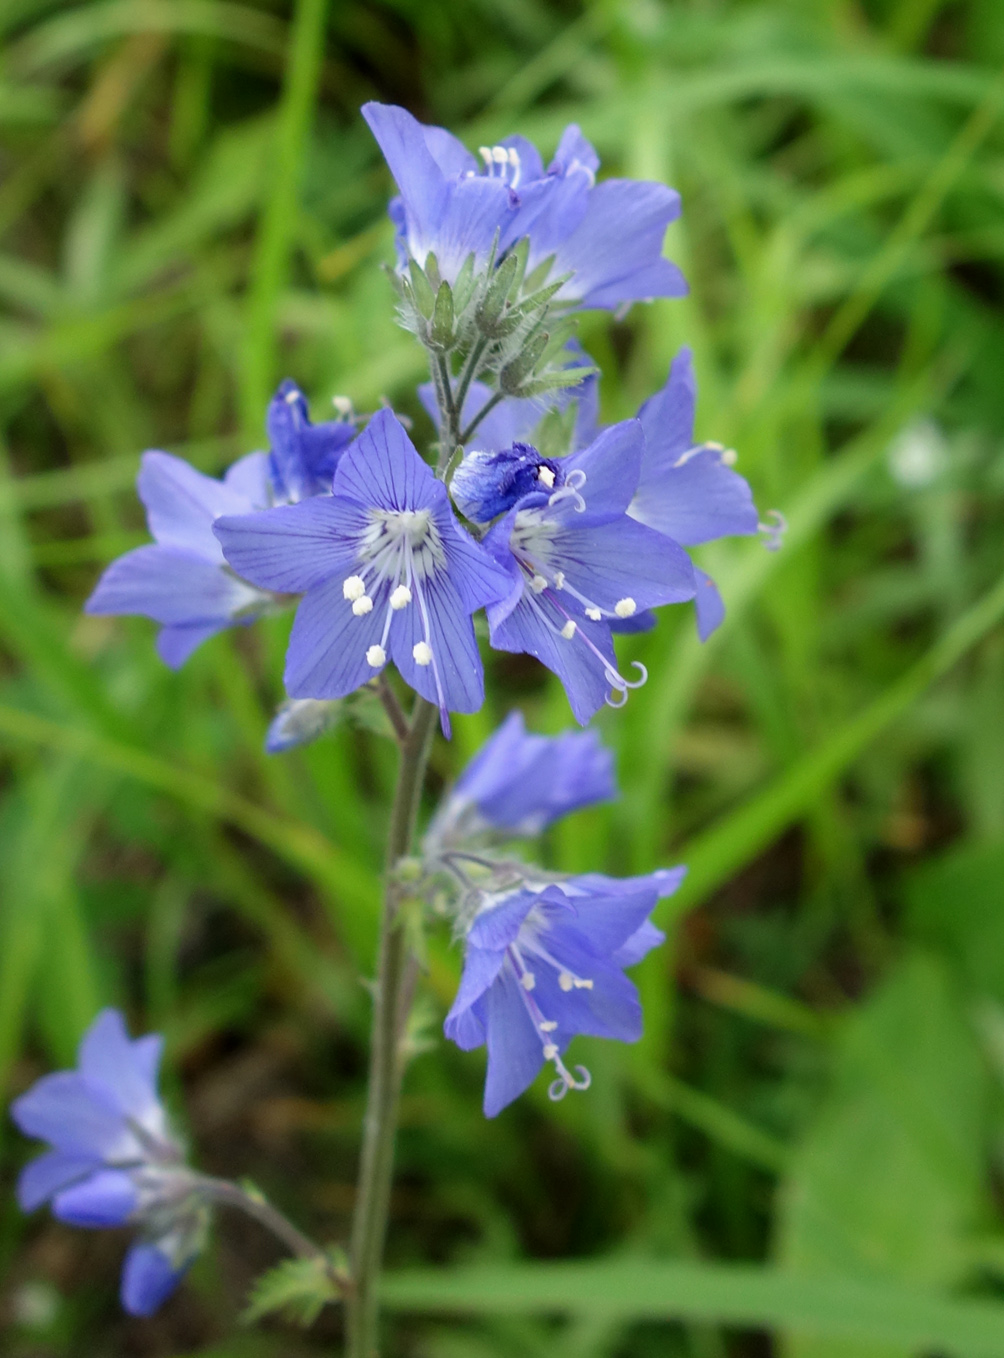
(439,617)
(107,1198)
(611,464)
(328,644)
(498,926)
(615,252)
(668,416)
(72,1115)
(481,967)
(467,1027)
(602,924)
(696,500)
(49,1173)
(709,605)
(181,504)
(176,644)
(524,629)
(609,562)
(382,469)
(174,587)
(126,1070)
(293,548)
(148,1279)
(515,1049)
(639,945)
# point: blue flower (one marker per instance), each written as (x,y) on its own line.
(182,580)
(113,1160)
(608,236)
(303,456)
(518,783)
(387,573)
(577,563)
(542,966)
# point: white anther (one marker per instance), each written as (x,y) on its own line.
(400,598)
(559,579)
(547,1026)
(376,656)
(538,583)
(354,587)
(729,457)
(500,155)
(550,1051)
(594,614)
(528,980)
(292,397)
(343,406)
(485,152)
(625,608)
(566,980)
(568,631)
(514,157)
(580,984)
(362,606)
(422,652)
(545,475)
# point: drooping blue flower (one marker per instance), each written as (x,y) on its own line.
(608,236)
(540,967)
(387,573)
(577,562)
(182,580)
(113,1160)
(303,456)
(518,783)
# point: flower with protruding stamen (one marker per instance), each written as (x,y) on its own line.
(578,563)
(387,573)
(540,967)
(609,236)
(113,1159)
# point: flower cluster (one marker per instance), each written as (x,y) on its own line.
(544,953)
(113,1160)
(565,532)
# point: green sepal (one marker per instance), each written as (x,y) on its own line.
(516,371)
(424,297)
(441,330)
(299,1289)
(463,288)
(535,279)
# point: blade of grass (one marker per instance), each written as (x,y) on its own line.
(735,1295)
(278,226)
(719,852)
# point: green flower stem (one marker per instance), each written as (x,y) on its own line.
(395,983)
(229,1194)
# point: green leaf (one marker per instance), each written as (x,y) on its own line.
(889,1180)
(743,1296)
(298,1289)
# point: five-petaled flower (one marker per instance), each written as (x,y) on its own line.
(387,573)
(113,1159)
(607,236)
(541,966)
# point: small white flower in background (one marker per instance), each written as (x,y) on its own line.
(918,454)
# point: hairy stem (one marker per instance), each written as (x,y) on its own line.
(232,1195)
(392,995)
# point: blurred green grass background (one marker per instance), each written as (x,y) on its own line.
(182,223)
